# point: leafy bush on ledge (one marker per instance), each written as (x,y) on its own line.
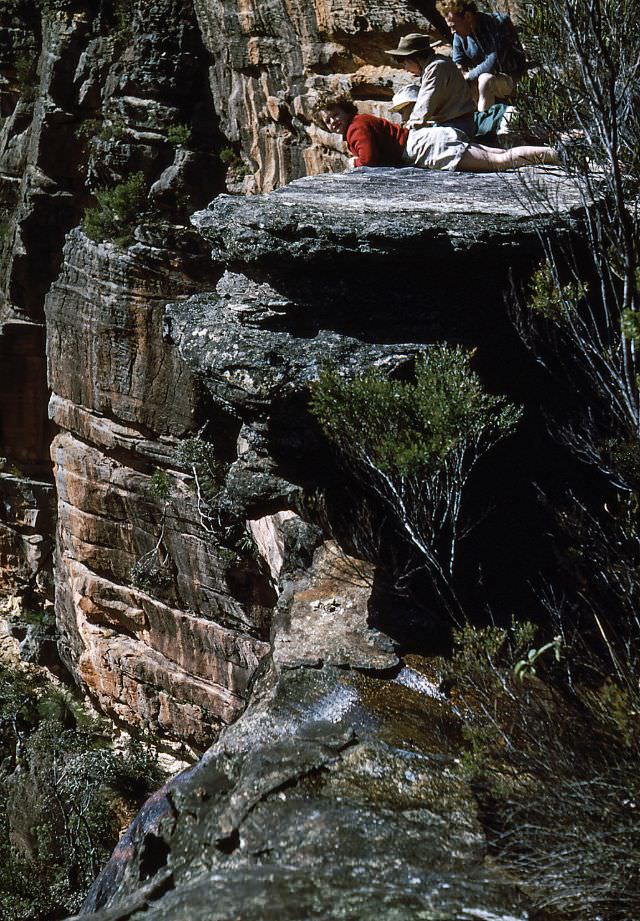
(414,446)
(118,212)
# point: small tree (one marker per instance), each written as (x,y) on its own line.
(414,446)
(585,96)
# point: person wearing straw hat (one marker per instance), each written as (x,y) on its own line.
(441,123)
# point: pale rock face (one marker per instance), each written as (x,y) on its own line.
(177,653)
(270,61)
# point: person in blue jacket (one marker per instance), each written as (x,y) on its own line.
(487,50)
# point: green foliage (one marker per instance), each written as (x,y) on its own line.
(552,300)
(118,212)
(234,162)
(631,325)
(527,666)
(553,763)
(88,128)
(64,793)
(152,572)
(180,135)
(160,484)
(113,130)
(199,457)
(123,12)
(584,83)
(228,156)
(55,6)
(411,428)
(412,447)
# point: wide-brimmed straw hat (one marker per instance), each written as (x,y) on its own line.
(414,43)
(405,97)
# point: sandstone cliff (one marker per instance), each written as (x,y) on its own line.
(91,94)
(328,792)
(191,575)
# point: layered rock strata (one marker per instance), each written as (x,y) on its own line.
(270,62)
(175,654)
(337,792)
(90,93)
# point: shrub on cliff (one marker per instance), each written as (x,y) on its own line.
(585,96)
(117,212)
(64,796)
(560,788)
(414,446)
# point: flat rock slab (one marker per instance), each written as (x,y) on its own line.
(370,209)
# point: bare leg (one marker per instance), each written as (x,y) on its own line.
(486,92)
(491,87)
(480,159)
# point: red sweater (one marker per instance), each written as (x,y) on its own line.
(375,141)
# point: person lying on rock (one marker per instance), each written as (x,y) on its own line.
(487,50)
(494,121)
(372,141)
(441,124)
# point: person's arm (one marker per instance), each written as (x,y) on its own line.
(459,55)
(362,144)
(499,41)
(431,90)
(488,66)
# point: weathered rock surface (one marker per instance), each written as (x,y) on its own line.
(177,653)
(337,788)
(27,514)
(89,93)
(335,794)
(357,270)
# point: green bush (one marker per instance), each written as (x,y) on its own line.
(413,447)
(179,135)
(88,129)
(118,212)
(64,792)
(411,428)
(160,484)
(233,161)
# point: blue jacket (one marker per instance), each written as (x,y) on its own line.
(493,48)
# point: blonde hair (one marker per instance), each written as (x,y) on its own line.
(459,7)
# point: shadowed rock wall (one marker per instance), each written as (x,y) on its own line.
(94,93)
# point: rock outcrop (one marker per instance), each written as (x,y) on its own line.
(164,655)
(338,789)
(191,579)
(335,794)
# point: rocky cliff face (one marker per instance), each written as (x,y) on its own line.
(336,790)
(190,576)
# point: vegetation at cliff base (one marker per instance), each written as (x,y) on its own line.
(65,796)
